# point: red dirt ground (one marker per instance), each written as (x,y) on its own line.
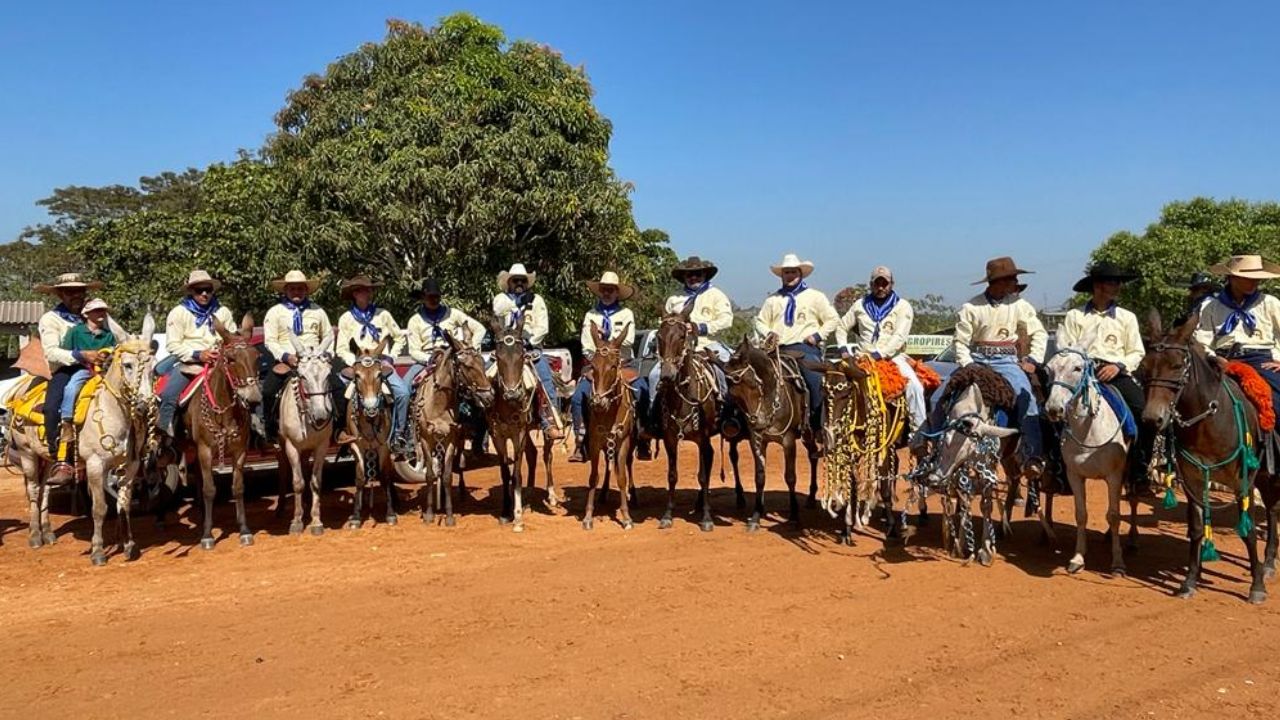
(479,622)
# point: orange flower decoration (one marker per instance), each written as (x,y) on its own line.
(1256,390)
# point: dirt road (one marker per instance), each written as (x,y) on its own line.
(479,622)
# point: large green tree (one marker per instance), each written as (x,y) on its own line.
(1189,236)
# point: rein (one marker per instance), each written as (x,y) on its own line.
(759,422)
(689,371)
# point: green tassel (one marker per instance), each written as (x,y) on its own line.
(1208,553)
(1245,526)
(1251,461)
(1170,500)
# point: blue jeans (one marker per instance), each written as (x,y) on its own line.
(582,393)
(174,385)
(401,390)
(812,379)
(77,381)
(542,369)
(1025,408)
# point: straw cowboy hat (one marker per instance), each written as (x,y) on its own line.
(294,277)
(693,263)
(1103,271)
(1253,267)
(95,304)
(611,278)
(1002,267)
(200,277)
(516,270)
(352,284)
(68,281)
(791,261)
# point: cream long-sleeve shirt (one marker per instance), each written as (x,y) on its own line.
(712,313)
(183,338)
(423,340)
(1116,336)
(350,329)
(277,327)
(984,321)
(536,321)
(1266,314)
(894,328)
(620,320)
(53,327)
(814,316)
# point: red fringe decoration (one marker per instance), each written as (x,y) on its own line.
(1256,390)
(926,375)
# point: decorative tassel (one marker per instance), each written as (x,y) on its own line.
(1245,526)
(1208,551)
(1251,461)
(1170,500)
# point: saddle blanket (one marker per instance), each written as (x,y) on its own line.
(28,403)
(1128,424)
(1257,390)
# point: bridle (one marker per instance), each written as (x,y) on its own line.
(304,394)
(1085,391)
(1179,385)
(604,397)
(758,421)
(683,380)
(512,394)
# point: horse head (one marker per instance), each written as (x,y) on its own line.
(969,422)
(367,377)
(1070,376)
(508,354)
(675,342)
(606,367)
(469,369)
(750,373)
(314,367)
(131,366)
(240,359)
(1171,366)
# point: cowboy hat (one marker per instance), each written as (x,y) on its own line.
(693,263)
(1103,271)
(791,261)
(197,277)
(349,285)
(295,277)
(1253,267)
(1002,267)
(611,278)
(68,281)
(1199,279)
(428,286)
(95,304)
(516,270)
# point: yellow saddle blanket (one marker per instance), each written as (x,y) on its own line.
(28,404)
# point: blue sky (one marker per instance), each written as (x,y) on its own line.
(928,136)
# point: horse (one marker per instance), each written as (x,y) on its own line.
(306,425)
(369,421)
(610,423)
(863,432)
(112,443)
(458,369)
(1093,446)
(217,421)
(511,421)
(773,403)
(1203,410)
(687,393)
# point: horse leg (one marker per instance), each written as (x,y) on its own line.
(362,482)
(385,473)
(208,490)
(811,448)
(669,444)
(284,478)
(531,461)
(739,497)
(706,458)
(888,489)
(1272,508)
(1047,534)
(37,493)
(789,473)
(237,490)
(1014,475)
(758,452)
(1258,589)
(626,492)
(1115,484)
(295,469)
(987,548)
(446,477)
(1195,535)
(1082,520)
(95,472)
(587,521)
(504,470)
(521,453)
(431,490)
(317,479)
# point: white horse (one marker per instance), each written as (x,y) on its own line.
(306,425)
(1093,446)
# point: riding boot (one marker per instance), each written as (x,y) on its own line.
(579,450)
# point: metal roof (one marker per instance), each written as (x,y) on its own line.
(21,312)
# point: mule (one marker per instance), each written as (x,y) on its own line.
(306,426)
(610,424)
(512,422)
(687,394)
(369,421)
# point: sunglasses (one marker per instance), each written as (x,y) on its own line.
(202,290)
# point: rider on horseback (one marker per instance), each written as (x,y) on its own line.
(366,325)
(800,319)
(1116,350)
(712,314)
(1199,287)
(516,300)
(92,335)
(70,289)
(881,322)
(1242,323)
(426,334)
(190,341)
(612,319)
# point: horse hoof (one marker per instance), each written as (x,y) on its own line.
(627,524)
(1074,567)
(753,526)
(50,538)
(35,542)
(353,524)
(1119,572)
(206,543)
(1185,592)
(923,520)
(664,524)
(985,558)
(1257,597)
(812,503)
(707,526)
(246,539)
(448,521)
(392,519)
(131,552)
(317,529)
(504,521)
(98,559)
(518,527)
(586,524)
(295,528)
(1269,575)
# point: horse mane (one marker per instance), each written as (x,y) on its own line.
(995,390)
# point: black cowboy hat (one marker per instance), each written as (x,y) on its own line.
(1198,279)
(693,263)
(428,286)
(1103,271)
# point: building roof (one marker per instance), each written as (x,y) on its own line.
(21,312)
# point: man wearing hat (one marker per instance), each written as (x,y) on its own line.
(881,321)
(801,319)
(515,302)
(711,313)
(987,332)
(70,289)
(365,325)
(427,333)
(295,316)
(1200,286)
(1116,350)
(1240,322)
(92,335)
(613,319)
(190,339)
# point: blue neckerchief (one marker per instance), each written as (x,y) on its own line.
(1239,313)
(365,318)
(691,293)
(434,318)
(991,300)
(62,312)
(1109,312)
(297,312)
(878,311)
(606,312)
(204,313)
(515,314)
(789,315)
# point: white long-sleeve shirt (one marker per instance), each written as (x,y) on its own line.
(712,313)
(893,329)
(814,316)
(536,321)
(983,321)
(1116,335)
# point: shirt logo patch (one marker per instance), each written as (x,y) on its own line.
(1002,333)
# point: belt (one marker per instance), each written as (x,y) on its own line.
(995,349)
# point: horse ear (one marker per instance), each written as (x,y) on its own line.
(298,350)
(1187,329)
(1085,341)
(453,341)
(220,329)
(622,336)
(148,328)
(687,313)
(327,344)
(355,348)
(1154,324)
(246,326)
(595,333)
(382,346)
(496,326)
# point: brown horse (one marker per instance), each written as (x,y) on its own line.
(511,422)
(1215,437)
(687,394)
(434,411)
(772,400)
(217,421)
(610,423)
(369,421)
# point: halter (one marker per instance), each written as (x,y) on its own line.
(304,396)
(692,400)
(1085,390)
(511,393)
(138,412)
(368,361)
(758,421)
(606,396)
(1179,385)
